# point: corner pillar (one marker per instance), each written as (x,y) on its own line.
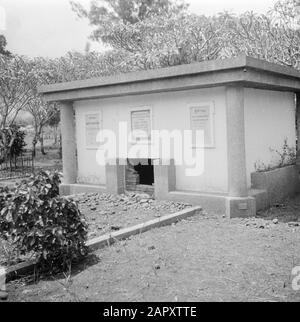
(115,176)
(298,130)
(238,202)
(69,158)
(164,178)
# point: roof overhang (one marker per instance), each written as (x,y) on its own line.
(242,70)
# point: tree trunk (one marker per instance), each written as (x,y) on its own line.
(42,145)
(34,142)
(60,147)
(35,139)
(55,135)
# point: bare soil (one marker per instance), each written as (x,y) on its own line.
(106,213)
(204,258)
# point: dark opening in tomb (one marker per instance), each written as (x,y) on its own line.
(145,171)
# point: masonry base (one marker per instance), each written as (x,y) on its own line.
(209,202)
(217,203)
(278,184)
(73,189)
(240,207)
(212,202)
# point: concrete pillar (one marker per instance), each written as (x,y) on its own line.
(115,177)
(164,179)
(298,128)
(237,179)
(238,203)
(68,143)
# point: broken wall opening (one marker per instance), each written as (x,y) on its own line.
(140,175)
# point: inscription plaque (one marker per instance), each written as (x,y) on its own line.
(201,120)
(141,124)
(92,127)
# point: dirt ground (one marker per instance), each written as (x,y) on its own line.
(205,258)
(106,213)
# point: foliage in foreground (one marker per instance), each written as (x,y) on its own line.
(12,142)
(38,221)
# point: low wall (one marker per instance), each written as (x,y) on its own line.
(74,189)
(212,203)
(278,184)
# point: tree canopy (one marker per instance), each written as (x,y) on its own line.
(153,34)
(3,44)
(103,13)
(146,35)
(17,85)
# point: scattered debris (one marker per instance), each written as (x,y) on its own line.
(115,228)
(92,234)
(106,212)
(294,224)
(279,205)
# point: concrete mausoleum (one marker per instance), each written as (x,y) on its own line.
(246,107)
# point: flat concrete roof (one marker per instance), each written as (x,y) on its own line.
(243,70)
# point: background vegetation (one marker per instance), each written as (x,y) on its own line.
(139,35)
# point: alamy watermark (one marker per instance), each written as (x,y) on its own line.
(185,147)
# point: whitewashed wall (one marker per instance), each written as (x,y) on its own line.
(269,119)
(89,171)
(170,111)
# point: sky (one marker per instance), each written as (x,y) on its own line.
(49,27)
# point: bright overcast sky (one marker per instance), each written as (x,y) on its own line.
(50,28)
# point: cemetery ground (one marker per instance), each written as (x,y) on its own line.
(106,213)
(204,258)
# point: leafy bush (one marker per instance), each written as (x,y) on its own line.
(19,141)
(285,157)
(12,142)
(5,195)
(39,221)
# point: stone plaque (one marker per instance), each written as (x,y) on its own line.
(92,127)
(141,121)
(201,120)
